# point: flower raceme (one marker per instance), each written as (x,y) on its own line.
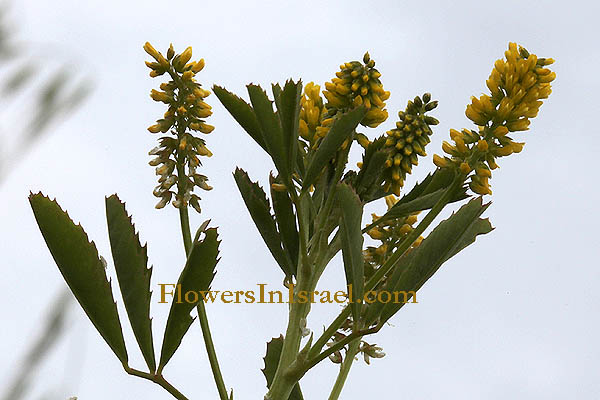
(407,141)
(517,85)
(355,84)
(177,156)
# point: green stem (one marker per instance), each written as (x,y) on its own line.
(158,379)
(202,317)
(344,370)
(391,262)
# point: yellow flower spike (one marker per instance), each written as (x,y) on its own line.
(187,76)
(465,168)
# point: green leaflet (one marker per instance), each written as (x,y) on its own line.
(196,276)
(352,244)
(131,261)
(272,130)
(446,240)
(272,361)
(341,130)
(242,113)
(288,109)
(260,211)
(286,222)
(78,261)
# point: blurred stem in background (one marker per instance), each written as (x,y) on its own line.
(48,95)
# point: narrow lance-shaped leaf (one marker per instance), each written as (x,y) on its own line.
(243,113)
(260,211)
(196,276)
(352,244)
(271,130)
(449,237)
(286,222)
(131,261)
(271,359)
(341,130)
(78,261)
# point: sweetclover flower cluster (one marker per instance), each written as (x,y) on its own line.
(355,84)
(177,156)
(391,233)
(407,141)
(517,87)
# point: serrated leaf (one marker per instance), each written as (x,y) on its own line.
(272,361)
(271,130)
(352,244)
(369,176)
(341,130)
(196,276)
(260,211)
(447,239)
(131,261)
(78,261)
(243,113)
(288,108)
(286,223)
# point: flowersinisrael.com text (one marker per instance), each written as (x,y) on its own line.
(262,296)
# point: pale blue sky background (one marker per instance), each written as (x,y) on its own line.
(515,315)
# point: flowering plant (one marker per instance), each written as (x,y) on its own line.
(316,207)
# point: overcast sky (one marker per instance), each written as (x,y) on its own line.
(513,316)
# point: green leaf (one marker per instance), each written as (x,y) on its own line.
(242,113)
(424,195)
(196,276)
(272,361)
(341,130)
(370,175)
(288,108)
(131,262)
(271,130)
(260,211)
(446,240)
(352,244)
(286,222)
(78,261)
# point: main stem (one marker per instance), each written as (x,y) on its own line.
(202,317)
